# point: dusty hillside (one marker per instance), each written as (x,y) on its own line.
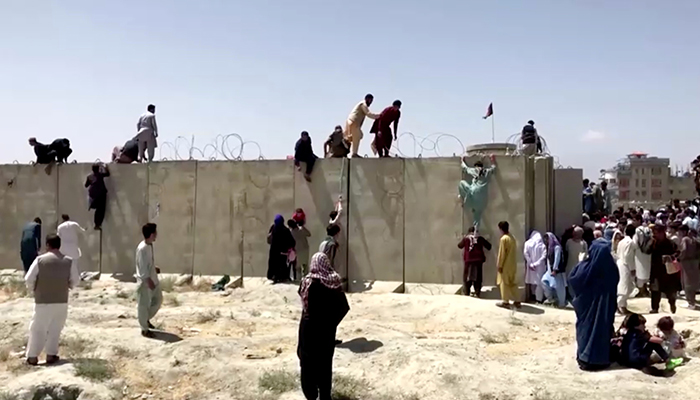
(240,344)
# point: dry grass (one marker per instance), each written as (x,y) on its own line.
(278,381)
(8,396)
(76,346)
(491,338)
(167,284)
(200,285)
(13,287)
(125,294)
(94,369)
(4,354)
(123,352)
(349,388)
(208,316)
(171,300)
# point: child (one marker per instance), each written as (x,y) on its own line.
(638,345)
(673,343)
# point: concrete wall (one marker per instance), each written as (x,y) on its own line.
(401,221)
(71,181)
(567,198)
(375,222)
(26,192)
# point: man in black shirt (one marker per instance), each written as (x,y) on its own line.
(530,139)
(58,150)
(127,154)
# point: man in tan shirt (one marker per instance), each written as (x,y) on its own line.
(353,126)
(50,277)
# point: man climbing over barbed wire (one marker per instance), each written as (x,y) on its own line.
(475,194)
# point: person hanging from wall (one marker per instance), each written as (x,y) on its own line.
(148,292)
(97,192)
(30,244)
(69,232)
(301,237)
(281,241)
(58,150)
(507,266)
(147,133)
(474,257)
(324,305)
(475,194)
(49,278)
(126,154)
(304,152)
(353,126)
(336,146)
(382,128)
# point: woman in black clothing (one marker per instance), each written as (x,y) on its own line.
(324,306)
(281,241)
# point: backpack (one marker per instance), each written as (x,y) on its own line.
(645,241)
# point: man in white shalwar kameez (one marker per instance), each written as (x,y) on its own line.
(150,296)
(69,232)
(353,126)
(147,133)
(642,261)
(535,253)
(626,251)
(49,278)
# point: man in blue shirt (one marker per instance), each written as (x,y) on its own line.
(30,243)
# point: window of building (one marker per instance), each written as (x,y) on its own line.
(644,193)
(624,182)
(613,181)
(644,183)
(624,195)
(656,195)
(656,171)
(637,193)
(680,193)
(671,191)
(636,182)
(644,171)
(656,183)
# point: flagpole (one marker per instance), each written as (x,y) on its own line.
(493,130)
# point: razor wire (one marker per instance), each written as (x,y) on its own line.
(229,147)
(427,146)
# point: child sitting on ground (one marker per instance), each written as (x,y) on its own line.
(638,345)
(673,342)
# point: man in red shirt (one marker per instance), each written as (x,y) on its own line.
(382,127)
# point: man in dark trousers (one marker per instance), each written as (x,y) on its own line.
(97,192)
(58,150)
(382,128)
(127,154)
(304,152)
(30,243)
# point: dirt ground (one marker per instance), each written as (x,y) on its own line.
(241,343)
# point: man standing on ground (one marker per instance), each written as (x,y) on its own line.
(50,277)
(474,257)
(353,127)
(68,232)
(663,249)
(30,243)
(147,133)
(642,256)
(588,199)
(507,267)
(97,192)
(148,289)
(382,127)
(530,139)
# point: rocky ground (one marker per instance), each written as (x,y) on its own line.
(240,344)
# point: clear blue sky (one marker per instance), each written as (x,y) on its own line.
(600,78)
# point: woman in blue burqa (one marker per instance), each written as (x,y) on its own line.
(594,282)
(475,194)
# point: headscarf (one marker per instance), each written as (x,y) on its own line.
(596,273)
(552,244)
(279,221)
(320,268)
(535,249)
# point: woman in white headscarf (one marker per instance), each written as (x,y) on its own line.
(536,265)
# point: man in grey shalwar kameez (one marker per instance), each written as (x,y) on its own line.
(150,296)
(147,133)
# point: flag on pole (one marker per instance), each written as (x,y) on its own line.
(489,112)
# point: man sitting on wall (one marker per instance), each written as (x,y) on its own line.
(58,150)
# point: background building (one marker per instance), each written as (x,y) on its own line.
(640,179)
